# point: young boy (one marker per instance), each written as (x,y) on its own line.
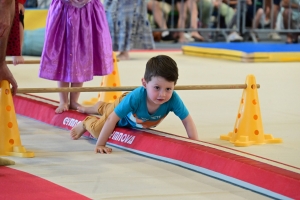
(144,107)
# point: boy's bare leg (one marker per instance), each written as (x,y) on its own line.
(89,109)
(74,96)
(77,131)
(63,98)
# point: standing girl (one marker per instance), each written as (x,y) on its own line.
(129,26)
(14,41)
(77,46)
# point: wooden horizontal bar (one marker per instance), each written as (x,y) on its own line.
(25,62)
(128,88)
(30,62)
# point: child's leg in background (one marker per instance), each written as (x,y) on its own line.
(19,59)
(63,99)
(74,96)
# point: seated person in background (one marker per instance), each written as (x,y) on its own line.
(291,19)
(145,107)
(272,9)
(158,13)
(253,16)
(183,6)
(193,10)
(222,9)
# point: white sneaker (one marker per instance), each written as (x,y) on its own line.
(234,37)
(274,36)
(188,37)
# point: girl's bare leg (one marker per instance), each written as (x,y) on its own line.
(89,109)
(77,131)
(19,59)
(63,99)
(74,96)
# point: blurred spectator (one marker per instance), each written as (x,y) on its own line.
(291,19)
(220,10)
(193,10)
(155,7)
(129,26)
(182,7)
(254,13)
(271,13)
(31,4)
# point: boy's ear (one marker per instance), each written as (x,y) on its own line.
(144,82)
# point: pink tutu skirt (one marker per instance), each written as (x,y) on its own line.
(77,43)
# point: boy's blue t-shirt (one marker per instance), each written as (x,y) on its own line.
(133,110)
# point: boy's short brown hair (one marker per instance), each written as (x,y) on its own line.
(163,66)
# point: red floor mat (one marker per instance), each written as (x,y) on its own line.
(16,184)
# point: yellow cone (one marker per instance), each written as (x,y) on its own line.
(248,128)
(10,142)
(111,80)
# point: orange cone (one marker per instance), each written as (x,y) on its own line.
(10,142)
(248,128)
(111,80)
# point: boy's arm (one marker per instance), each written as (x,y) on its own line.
(106,131)
(190,127)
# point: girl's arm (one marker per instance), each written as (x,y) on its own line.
(106,131)
(190,127)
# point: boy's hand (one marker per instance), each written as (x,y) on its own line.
(102,149)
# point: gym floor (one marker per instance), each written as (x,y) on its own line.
(124,175)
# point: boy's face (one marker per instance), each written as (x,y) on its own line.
(159,90)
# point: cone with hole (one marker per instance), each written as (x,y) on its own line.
(248,129)
(111,80)
(10,141)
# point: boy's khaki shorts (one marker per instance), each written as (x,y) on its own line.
(94,124)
